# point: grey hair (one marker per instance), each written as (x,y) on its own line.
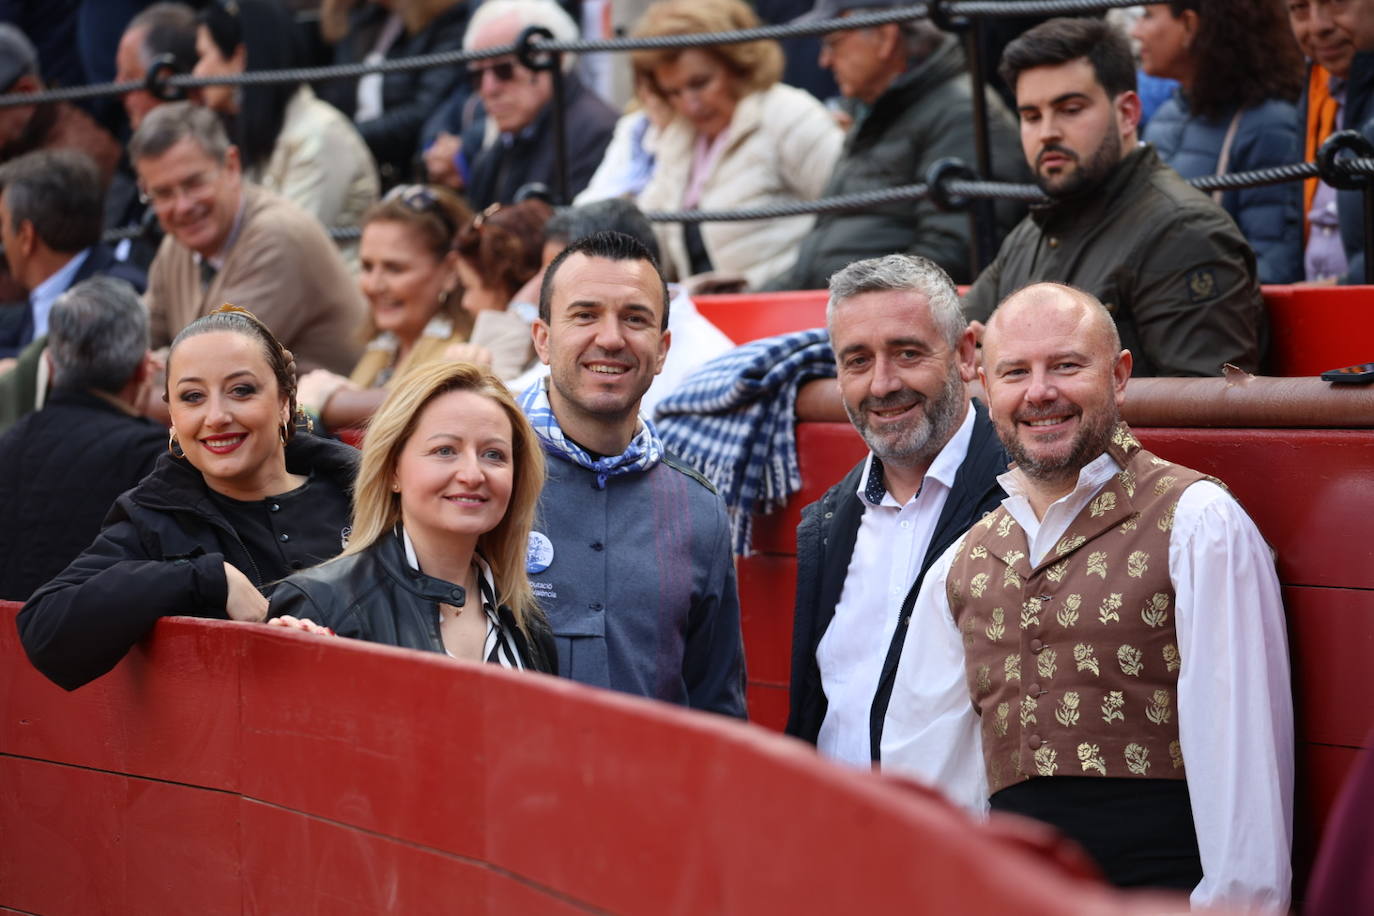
(167,125)
(15,45)
(58,191)
(544,13)
(97,335)
(169,28)
(615,214)
(901,273)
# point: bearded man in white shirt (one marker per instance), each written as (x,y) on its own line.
(1121,626)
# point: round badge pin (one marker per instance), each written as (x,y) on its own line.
(539,555)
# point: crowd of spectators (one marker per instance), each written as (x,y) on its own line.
(504,319)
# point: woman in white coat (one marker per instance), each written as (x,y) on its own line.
(739,139)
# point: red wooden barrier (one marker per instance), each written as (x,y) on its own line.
(231,768)
(1312,329)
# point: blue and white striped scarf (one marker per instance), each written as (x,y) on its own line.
(644,451)
(733,420)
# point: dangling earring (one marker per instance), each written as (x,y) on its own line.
(282,433)
(173,445)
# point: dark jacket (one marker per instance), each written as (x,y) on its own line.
(16,319)
(924,116)
(375,595)
(1358,114)
(60,470)
(161,553)
(1169,264)
(408,97)
(499,169)
(1266,136)
(825,544)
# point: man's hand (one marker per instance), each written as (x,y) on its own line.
(245,602)
(441,161)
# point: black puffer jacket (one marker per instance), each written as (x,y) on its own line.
(161,553)
(375,595)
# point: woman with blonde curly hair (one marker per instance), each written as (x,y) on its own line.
(450,477)
(738,139)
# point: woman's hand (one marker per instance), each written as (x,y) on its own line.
(468,353)
(316,388)
(245,601)
(304,624)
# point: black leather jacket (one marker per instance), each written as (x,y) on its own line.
(375,595)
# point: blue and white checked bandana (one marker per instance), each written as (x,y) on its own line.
(733,420)
(645,449)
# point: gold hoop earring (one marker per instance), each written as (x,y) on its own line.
(173,446)
(282,433)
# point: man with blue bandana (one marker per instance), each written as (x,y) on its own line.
(630,556)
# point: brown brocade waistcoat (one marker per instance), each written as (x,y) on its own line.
(1073,664)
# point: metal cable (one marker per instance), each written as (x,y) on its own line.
(452,58)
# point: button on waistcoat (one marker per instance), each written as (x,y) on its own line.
(1073,664)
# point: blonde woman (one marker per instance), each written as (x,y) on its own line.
(738,139)
(451,474)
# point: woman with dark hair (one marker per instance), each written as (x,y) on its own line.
(239,501)
(289,141)
(739,139)
(390,108)
(409,275)
(498,253)
(1233,111)
(450,477)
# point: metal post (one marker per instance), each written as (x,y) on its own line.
(983,212)
(560,135)
(528,52)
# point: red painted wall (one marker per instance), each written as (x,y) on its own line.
(234,768)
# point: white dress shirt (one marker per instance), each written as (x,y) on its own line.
(1235,706)
(889,548)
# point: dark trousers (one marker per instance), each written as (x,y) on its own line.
(1139,831)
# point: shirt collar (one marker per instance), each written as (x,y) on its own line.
(486,583)
(1091,477)
(216,260)
(45,294)
(873,490)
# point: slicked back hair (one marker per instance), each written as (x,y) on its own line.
(1062,40)
(613,246)
(97,336)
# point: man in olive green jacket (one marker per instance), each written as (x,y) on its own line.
(1167,261)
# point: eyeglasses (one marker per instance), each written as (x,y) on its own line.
(419,198)
(197,186)
(503,70)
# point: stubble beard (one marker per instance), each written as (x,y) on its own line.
(1094,435)
(1088,175)
(922,439)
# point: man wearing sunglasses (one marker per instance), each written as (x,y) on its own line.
(518,146)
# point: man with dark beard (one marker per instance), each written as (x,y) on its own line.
(1168,262)
(1121,628)
(903,352)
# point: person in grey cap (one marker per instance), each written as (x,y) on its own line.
(914,106)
